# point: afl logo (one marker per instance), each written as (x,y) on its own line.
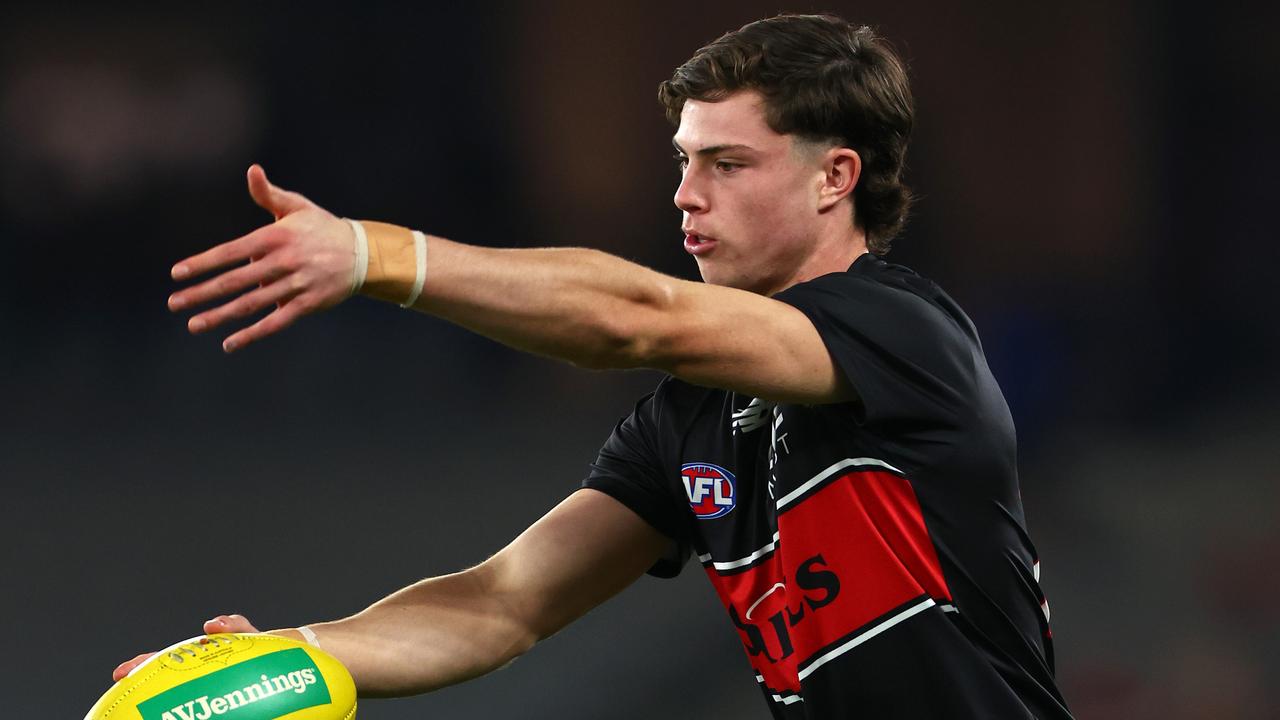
(710,489)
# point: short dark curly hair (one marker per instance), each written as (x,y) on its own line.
(824,80)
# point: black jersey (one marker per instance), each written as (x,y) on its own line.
(872,555)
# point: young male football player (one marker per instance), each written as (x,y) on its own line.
(829,442)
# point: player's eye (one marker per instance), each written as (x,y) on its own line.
(682,161)
(726,166)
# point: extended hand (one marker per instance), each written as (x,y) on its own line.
(301,263)
(220,624)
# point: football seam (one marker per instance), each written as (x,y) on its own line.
(140,682)
(124,695)
(158,667)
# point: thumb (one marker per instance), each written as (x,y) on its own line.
(274,200)
(229,624)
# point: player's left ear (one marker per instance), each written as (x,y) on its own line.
(841,169)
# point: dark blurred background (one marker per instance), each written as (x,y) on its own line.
(1097,188)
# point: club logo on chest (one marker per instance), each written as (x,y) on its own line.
(710,489)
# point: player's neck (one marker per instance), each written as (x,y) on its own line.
(834,250)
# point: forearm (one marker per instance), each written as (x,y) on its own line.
(449,629)
(437,632)
(580,305)
(584,306)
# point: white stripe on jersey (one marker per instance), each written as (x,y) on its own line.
(816,479)
(858,640)
(778,698)
(730,565)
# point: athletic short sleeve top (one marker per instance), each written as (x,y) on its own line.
(871,555)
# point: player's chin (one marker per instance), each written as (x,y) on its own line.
(713,275)
(716,272)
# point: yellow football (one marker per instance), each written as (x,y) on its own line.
(233,676)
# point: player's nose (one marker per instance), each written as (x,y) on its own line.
(689,195)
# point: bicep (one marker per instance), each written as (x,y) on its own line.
(586,550)
(736,340)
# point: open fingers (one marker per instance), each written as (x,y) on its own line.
(255,273)
(279,319)
(234,251)
(245,305)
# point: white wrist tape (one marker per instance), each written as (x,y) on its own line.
(310,636)
(361,269)
(420,278)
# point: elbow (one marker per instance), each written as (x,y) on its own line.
(606,351)
(514,630)
(521,643)
(612,353)
(635,333)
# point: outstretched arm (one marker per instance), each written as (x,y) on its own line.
(448,629)
(584,306)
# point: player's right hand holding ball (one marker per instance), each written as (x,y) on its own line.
(220,624)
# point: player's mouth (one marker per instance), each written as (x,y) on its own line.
(696,244)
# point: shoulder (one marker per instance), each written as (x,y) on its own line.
(874,293)
(904,345)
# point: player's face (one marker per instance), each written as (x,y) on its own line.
(749,195)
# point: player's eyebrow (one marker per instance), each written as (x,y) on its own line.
(714,149)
